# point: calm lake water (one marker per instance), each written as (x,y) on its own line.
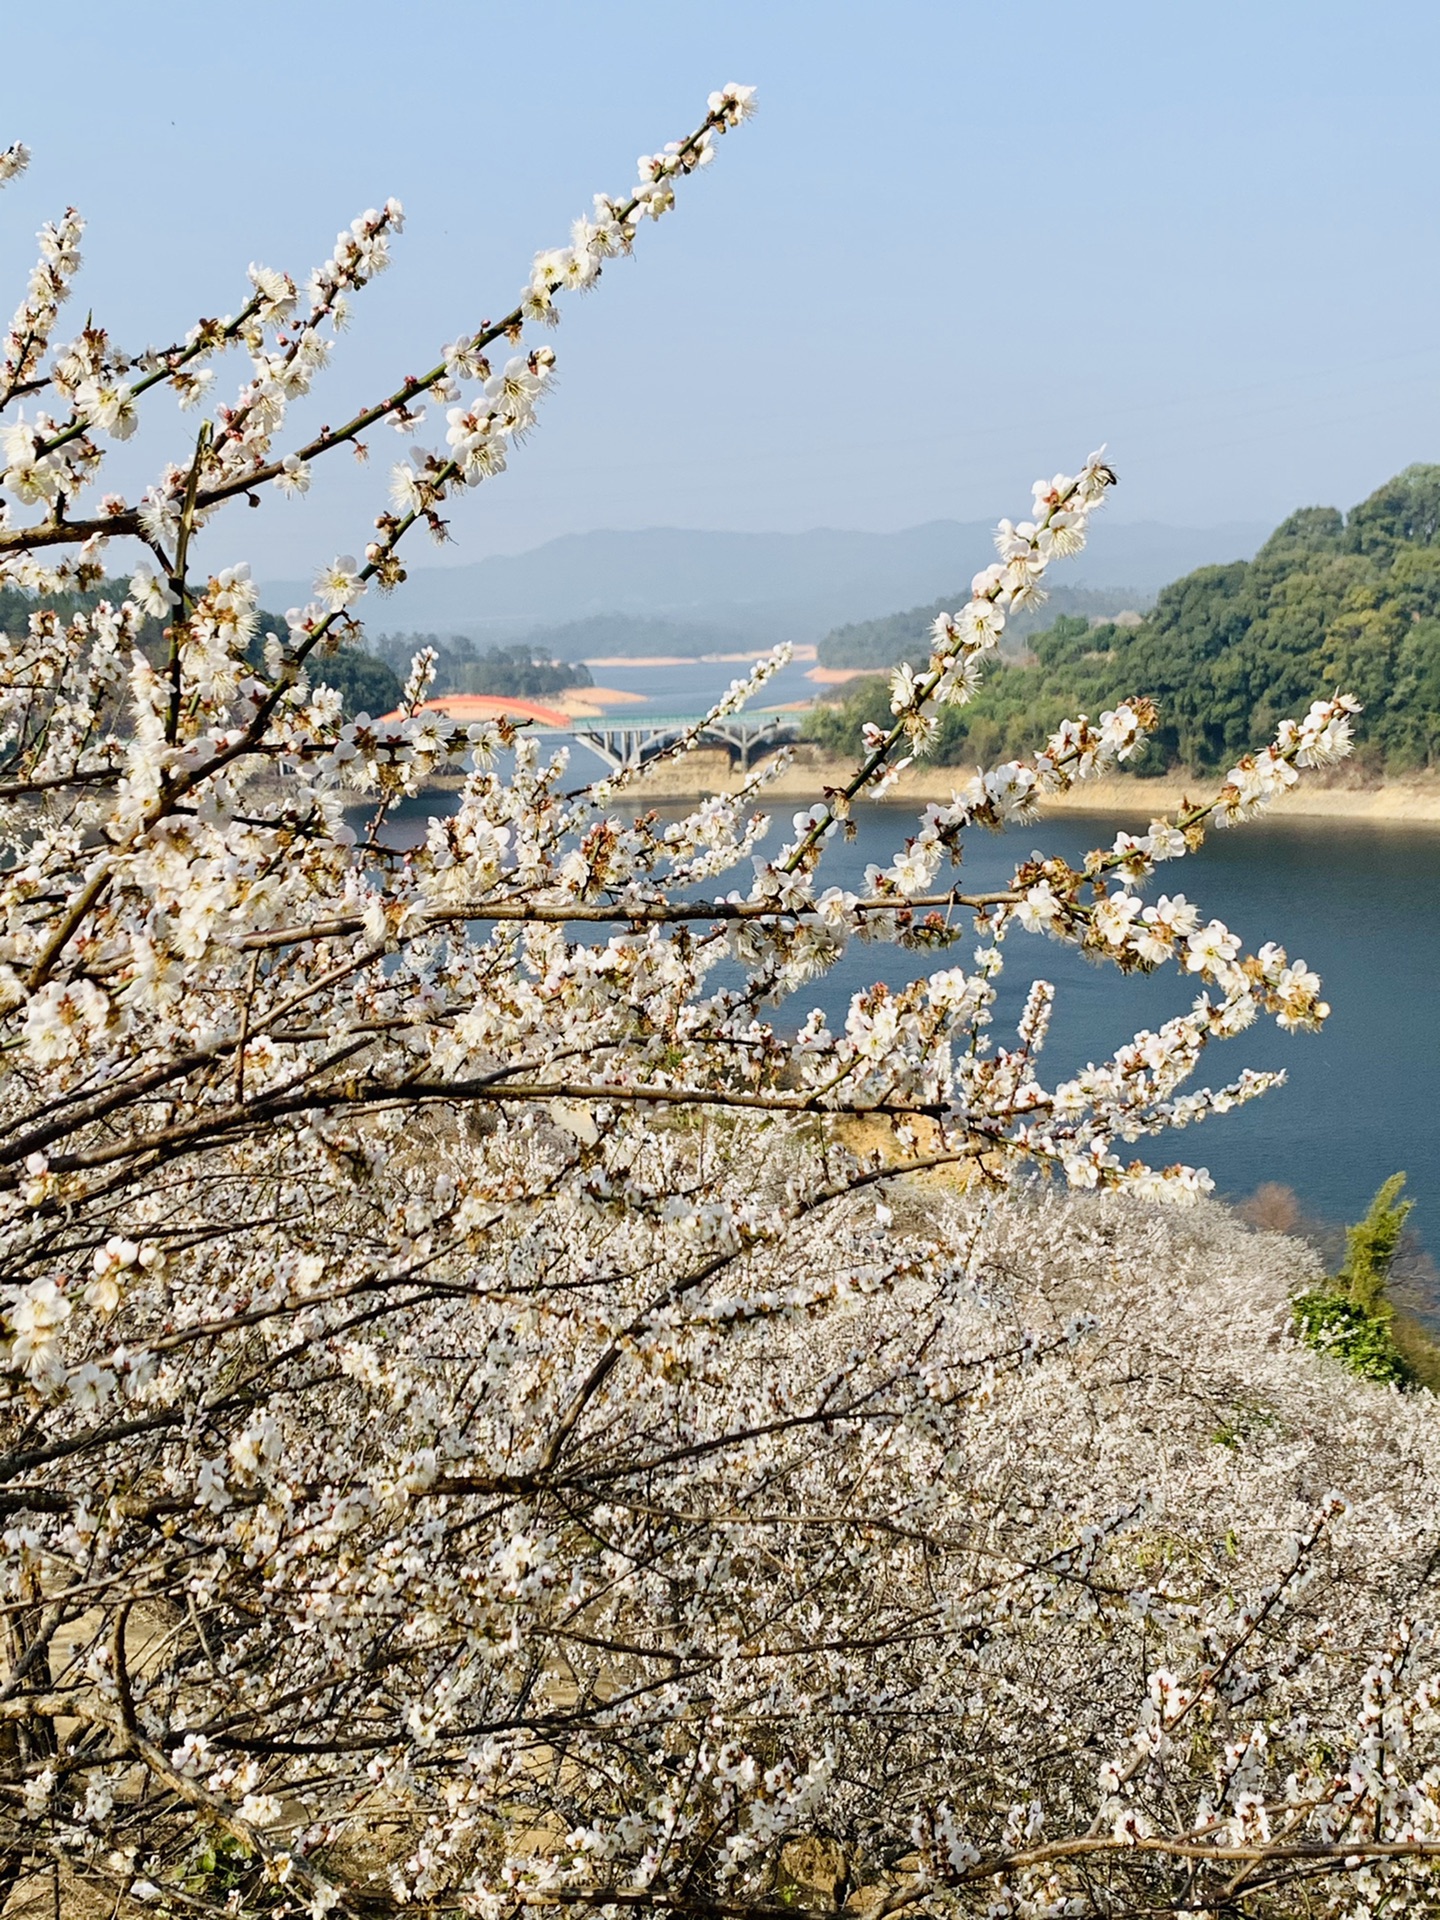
(694,686)
(1359,902)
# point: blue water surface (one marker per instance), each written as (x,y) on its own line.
(1359,902)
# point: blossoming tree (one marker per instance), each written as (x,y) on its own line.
(477,1432)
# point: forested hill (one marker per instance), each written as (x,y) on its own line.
(1330,601)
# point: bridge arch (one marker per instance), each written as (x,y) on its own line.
(629,743)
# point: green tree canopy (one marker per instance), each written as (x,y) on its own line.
(365,684)
(1329,601)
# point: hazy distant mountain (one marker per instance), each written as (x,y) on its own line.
(759,586)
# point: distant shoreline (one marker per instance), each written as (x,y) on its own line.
(800,652)
(1413,802)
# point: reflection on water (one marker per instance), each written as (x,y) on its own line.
(1359,902)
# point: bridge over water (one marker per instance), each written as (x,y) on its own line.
(745,736)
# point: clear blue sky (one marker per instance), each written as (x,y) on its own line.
(961,244)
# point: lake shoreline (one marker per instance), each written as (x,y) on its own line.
(1386,802)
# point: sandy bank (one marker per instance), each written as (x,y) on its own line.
(590,703)
(573,703)
(838,676)
(1416,802)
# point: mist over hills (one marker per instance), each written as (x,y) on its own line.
(758,586)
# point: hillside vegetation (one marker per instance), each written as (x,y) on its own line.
(1329,601)
(365,683)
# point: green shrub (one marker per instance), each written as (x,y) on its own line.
(1351,1317)
(1332,1323)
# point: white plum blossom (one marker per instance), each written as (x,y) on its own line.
(36,1316)
(1209,945)
(339,585)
